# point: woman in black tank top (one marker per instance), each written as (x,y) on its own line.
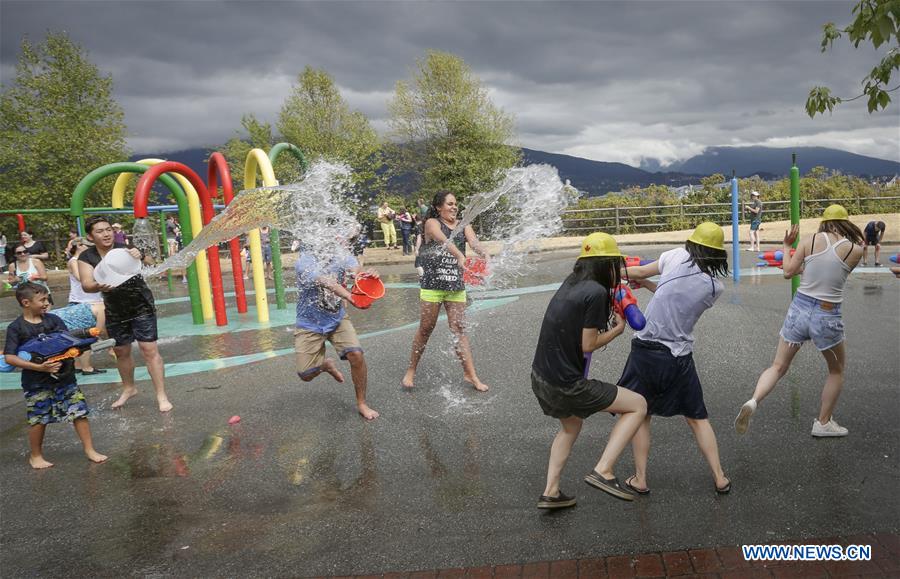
(442,284)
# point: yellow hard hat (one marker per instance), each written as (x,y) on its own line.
(599,245)
(708,234)
(835,212)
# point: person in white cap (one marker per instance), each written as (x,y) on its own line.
(755,208)
(113,269)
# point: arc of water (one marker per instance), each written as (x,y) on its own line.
(481,202)
(76,209)
(274,236)
(258,161)
(196,220)
(141,197)
(218,166)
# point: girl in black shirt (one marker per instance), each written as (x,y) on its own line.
(577,322)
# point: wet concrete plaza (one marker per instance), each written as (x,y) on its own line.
(447,477)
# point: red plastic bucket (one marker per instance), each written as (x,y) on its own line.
(475,271)
(366,290)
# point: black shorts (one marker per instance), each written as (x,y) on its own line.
(871,240)
(580,399)
(669,383)
(141,328)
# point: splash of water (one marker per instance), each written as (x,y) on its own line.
(313,210)
(144,237)
(525,207)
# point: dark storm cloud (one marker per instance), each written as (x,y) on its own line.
(610,81)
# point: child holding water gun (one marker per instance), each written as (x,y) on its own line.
(661,364)
(578,321)
(51,391)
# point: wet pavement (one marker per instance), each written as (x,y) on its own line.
(447,477)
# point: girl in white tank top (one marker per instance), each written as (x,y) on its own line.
(825,259)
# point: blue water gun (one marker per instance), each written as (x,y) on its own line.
(59,347)
(627,307)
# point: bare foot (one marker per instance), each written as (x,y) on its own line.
(164,404)
(95,456)
(477,384)
(123,398)
(331,368)
(39,462)
(408,378)
(367,412)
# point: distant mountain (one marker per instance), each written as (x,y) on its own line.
(594,177)
(599,177)
(748,161)
(193,158)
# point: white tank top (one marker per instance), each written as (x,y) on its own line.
(26,275)
(825,273)
(77,295)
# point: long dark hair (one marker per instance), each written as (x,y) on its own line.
(712,262)
(604,270)
(843,228)
(437,201)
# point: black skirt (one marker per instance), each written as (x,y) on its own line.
(581,399)
(669,383)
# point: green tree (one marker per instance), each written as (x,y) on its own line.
(58,121)
(256,135)
(316,118)
(876,22)
(449,134)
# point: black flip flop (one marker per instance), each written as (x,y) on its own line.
(724,490)
(633,488)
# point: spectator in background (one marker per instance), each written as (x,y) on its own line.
(27,268)
(756,210)
(2,251)
(406,227)
(34,248)
(77,296)
(173,232)
(118,234)
(386,219)
(422,210)
(266,241)
(73,236)
(874,232)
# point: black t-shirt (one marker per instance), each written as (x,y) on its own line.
(19,332)
(873,228)
(127,301)
(441,269)
(559,358)
(36,249)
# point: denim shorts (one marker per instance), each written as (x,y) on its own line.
(754,225)
(812,319)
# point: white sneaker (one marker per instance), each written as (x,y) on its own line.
(830,428)
(742,422)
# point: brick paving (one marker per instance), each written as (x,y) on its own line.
(725,562)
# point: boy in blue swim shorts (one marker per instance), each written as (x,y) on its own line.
(51,391)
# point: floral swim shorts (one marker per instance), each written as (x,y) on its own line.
(63,403)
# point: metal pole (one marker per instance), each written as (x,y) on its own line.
(795,211)
(735,236)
